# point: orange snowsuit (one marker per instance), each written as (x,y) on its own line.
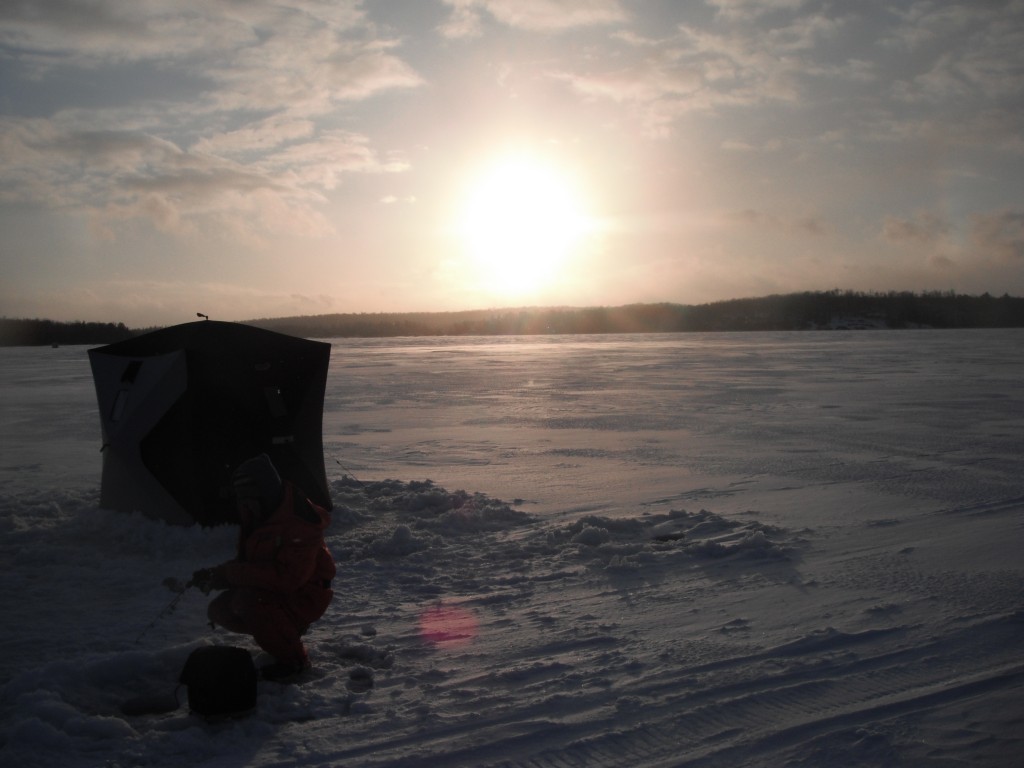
(280,582)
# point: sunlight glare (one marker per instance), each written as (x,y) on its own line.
(519,223)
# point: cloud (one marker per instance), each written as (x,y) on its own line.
(320,164)
(731,145)
(186,31)
(258,136)
(661,85)
(753,9)
(963,51)
(732,63)
(999,235)
(303,57)
(743,147)
(811,225)
(924,228)
(466,18)
(306,75)
(632,38)
(464,21)
(644,82)
(370,69)
(252,150)
(122,176)
(46,162)
(989,257)
(87,34)
(955,80)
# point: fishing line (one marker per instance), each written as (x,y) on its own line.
(167,611)
(348,471)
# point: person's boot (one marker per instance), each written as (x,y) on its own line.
(285,672)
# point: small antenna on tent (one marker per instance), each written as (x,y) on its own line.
(200,314)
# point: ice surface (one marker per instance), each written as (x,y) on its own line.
(712,549)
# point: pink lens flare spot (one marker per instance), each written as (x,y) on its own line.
(448,626)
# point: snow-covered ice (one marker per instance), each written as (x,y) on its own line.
(713,549)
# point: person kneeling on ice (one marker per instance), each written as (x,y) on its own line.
(280,582)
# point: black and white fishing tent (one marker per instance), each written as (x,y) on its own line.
(181,407)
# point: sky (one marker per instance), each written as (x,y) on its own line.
(254,158)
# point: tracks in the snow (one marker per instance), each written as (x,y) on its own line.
(833,687)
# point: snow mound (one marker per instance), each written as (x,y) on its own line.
(426,506)
(679,536)
(391,519)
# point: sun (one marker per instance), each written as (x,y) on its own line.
(519,222)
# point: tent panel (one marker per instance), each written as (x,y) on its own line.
(247,391)
(133,395)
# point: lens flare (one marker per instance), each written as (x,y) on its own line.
(448,626)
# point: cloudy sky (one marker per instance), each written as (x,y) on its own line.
(256,158)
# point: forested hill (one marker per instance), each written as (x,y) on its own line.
(801,311)
(833,310)
(47,332)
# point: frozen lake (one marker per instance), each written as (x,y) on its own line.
(598,423)
(713,549)
(603,422)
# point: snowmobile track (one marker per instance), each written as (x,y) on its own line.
(717,714)
(729,725)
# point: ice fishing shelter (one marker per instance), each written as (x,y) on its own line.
(181,407)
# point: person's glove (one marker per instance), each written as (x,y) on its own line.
(207,580)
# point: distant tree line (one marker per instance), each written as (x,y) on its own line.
(849,309)
(798,311)
(52,332)
(819,310)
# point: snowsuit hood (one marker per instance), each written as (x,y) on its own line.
(258,478)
